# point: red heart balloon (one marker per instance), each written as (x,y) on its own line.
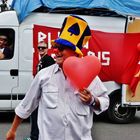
(138,46)
(81,71)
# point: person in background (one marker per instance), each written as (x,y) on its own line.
(45,61)
(5,51)
(3,5)
(65,112)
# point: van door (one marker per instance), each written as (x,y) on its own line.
(8,66)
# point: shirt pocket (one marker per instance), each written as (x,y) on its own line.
(50,96)
(81,109)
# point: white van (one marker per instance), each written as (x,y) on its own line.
(16,73)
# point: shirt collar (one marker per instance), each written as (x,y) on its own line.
(57,68)
(2,49)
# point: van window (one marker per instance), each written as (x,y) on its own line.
(7,37)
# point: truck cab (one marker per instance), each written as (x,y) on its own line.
(16,73)
(9,75)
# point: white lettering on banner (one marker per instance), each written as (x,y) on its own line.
(49,40)
(53,55)
(58,34)
(91,53)
(41,36)
(106,58)
(86,46)
(102,56)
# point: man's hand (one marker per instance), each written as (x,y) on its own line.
(12,131)
(10,135)
(85,96)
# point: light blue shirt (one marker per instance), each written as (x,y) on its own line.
(61,113)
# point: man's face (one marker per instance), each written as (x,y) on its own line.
(42,50)
(62,53)
(2,42)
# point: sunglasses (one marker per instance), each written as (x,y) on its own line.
(42,48)
(2,39)
(60,48)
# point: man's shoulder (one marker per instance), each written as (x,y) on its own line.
(7,48)
(47,57)
(49,69)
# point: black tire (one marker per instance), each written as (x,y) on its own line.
(118,114)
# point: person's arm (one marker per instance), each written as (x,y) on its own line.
(87,98)
(12,131)
(99,92)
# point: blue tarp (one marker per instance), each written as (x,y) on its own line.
(124,7)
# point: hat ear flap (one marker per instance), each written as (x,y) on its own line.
(87,31)
(84,38)
(87,35)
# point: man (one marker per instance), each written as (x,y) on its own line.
(5,51)
(45,61)
(3,5)
(64,113)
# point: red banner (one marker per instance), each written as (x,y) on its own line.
(41,33)
(117,52)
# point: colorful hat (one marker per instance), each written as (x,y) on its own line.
(74,33)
